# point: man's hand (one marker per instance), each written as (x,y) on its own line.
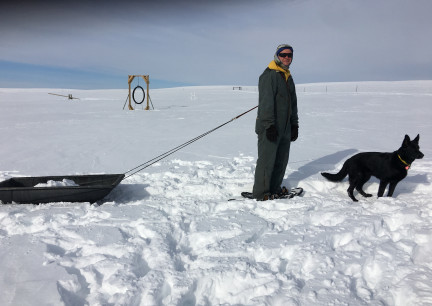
(272,133)
(294,132)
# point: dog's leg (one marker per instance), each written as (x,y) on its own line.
(351,193)
(352,179)
(392,188)
(382,187)
(361,191)
(359,187)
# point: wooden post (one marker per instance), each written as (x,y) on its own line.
(130,79)
(147,80)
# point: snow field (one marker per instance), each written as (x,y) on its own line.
(169,236)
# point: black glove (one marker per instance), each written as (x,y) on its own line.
(294,132)
(272,133)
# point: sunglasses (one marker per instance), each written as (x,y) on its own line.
(285,54)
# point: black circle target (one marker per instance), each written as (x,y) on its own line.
(133,95)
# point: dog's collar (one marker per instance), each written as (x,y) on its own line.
(407,166)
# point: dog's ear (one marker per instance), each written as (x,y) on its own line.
(406,141)
(417,138)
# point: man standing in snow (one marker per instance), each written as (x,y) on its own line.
(276,124)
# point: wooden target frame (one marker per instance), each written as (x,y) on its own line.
(147,80)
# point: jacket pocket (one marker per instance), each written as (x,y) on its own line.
(258,126)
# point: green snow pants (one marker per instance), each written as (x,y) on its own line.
(271,165)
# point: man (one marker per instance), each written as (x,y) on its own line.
(276,124)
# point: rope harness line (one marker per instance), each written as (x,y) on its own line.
(172,151)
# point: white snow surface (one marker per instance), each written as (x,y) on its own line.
(169,236)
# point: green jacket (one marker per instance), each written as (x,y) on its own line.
(277,102)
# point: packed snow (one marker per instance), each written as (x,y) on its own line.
(169,235)
(62,183)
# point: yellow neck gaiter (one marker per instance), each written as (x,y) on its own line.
(274,66)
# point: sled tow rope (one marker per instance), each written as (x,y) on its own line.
(172,151)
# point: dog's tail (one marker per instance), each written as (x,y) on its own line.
(337,177)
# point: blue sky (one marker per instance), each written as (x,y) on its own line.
(96,44)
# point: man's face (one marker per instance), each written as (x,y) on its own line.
(285,56)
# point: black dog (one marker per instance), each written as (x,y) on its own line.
(389,168)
